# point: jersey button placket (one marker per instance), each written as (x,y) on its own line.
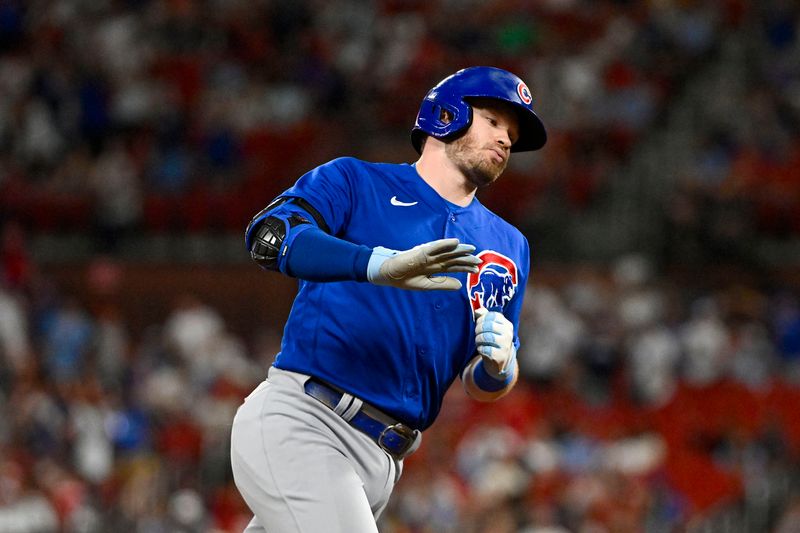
(450,219)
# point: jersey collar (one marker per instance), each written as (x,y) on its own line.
(432,198)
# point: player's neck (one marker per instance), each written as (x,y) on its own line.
(445,178)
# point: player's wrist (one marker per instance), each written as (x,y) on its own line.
(376,260)
(491,381)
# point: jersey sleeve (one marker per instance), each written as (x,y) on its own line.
(328,189)
(310,214)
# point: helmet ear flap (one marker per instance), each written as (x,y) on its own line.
(440,119)
(445,115)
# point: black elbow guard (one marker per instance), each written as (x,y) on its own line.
(268,238)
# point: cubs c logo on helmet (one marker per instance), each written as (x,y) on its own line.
(524,93)
(494,284)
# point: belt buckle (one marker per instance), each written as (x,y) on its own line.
(405,432)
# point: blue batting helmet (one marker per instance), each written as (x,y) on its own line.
(453,93)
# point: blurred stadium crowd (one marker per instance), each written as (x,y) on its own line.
(647,403)
(647,399)
(184,115)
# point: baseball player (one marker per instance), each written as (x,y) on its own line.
(406,283)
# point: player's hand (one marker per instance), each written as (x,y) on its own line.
(494,337)
(418,267)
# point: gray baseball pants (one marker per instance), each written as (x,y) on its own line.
(301,468)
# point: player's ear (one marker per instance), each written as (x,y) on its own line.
(445,116)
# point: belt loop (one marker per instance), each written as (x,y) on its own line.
(344,404)
(354,408)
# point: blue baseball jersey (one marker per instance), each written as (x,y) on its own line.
(399,350)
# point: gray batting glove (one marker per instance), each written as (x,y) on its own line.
(416,268)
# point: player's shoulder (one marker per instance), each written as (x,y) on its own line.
(346,162)
(354,163)
(359,169)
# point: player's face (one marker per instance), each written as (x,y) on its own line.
(482,153)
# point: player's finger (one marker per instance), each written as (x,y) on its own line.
(449,270)
(440,246)
(464,247)
(490,326)
(493,320)
(465,253)
(457,268)
(465,256)
(487,338)
(465,264)
(469,261)
(486,351)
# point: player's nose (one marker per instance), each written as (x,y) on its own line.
(503,139)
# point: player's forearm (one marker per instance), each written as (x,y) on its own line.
(480,385)
(317,256)
(284,239)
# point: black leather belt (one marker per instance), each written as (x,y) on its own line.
(394,437)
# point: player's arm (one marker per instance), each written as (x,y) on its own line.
(291,237)
(493,372)
(280,228)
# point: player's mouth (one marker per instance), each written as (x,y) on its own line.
(498,154)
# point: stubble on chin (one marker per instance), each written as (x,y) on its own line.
(479,170)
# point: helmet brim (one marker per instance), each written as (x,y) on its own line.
(532,133)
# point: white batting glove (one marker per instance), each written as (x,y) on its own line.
(494,337)
(416,268)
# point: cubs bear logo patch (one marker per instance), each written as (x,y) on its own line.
(494,284)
